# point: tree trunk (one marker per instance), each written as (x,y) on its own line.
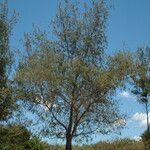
(68,143)
(147,117)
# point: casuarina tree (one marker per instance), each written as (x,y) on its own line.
(141,78)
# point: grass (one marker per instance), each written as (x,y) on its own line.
(124,144)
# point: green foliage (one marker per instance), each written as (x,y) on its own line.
(141,78)
(11,147)
(57,74)
(146,139)
(34,144)
(13,136)
(81,34)
(123,144)
(6,100)
(69,83)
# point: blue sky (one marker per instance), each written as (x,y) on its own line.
(128,28)
(129,24)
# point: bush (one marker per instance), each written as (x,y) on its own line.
(13,137)
(34,144)
(12,147)
(146,139)
(123,144)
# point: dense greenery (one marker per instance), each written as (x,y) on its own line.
(14,137)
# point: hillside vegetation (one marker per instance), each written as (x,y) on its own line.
(124,144)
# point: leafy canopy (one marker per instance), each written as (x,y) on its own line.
(69,83)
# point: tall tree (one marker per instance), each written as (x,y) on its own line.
(141,78)
(68,83)
(6,101)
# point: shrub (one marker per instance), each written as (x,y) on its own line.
(146,139)
(13,135)
(34,144)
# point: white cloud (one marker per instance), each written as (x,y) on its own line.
(127,95)
(137,138)
(140,118)
(120,122)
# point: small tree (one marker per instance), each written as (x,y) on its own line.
(141,78)
(18,137)
(68,83)
(6,101)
